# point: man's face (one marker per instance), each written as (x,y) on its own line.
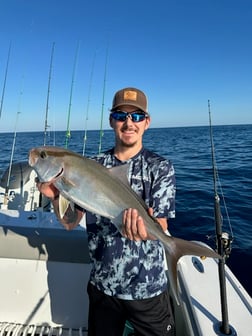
(129,133)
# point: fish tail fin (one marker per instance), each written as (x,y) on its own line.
(176,250)
(185,247)
(172,276)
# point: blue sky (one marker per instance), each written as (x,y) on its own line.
(180,52)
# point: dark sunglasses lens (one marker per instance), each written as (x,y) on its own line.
(120,116)
(137,117)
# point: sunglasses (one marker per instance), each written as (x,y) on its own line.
(136,116)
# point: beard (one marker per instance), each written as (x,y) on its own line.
(127,144)
(125,140)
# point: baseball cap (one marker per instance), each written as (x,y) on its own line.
(130,96)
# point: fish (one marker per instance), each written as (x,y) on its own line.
(106,192)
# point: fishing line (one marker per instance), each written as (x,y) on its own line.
(224,204)
(216,175)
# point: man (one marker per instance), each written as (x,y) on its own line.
(128,280)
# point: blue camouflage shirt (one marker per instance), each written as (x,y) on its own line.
(123,268)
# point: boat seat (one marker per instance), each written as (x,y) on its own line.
(18,176)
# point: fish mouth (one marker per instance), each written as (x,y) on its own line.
(50,180)
(56,177)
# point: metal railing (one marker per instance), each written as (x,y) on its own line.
(15,329)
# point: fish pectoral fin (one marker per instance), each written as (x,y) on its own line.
(63,205)
(67,183)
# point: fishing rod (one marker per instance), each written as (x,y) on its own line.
(88,103)
(103,97)
(223,241)
(5,79)
(47,109)
(68,132)
(6,196)
(48,94)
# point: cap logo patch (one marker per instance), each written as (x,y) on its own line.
(130,95)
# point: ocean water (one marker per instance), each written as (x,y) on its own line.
(189,148)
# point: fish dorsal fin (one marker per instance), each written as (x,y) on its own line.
(121,172)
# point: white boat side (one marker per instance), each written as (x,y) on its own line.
(200,294)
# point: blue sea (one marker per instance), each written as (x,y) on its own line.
(189,148)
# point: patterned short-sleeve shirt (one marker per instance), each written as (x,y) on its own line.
(128,269)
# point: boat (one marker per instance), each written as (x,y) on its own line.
(45,269)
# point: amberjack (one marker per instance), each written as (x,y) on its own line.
(106,192)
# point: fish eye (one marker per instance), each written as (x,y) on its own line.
(43,154)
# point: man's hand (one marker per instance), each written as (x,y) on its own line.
(133,225)
(48,189)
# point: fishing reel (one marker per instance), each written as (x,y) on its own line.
(226,241)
